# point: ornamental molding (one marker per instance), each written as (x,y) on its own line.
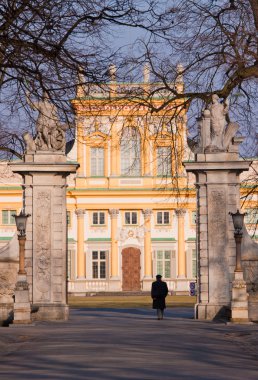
(131,233)
(239,284)
(180,212)
(79,212)
(113,212)
(147,213)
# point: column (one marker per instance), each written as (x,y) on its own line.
(180,213)
(114,248)
(147,243)
(80,243)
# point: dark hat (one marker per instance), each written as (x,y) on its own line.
(158,276)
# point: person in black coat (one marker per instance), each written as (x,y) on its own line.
(159,292)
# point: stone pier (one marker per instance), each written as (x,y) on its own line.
(44,175)
(217,168)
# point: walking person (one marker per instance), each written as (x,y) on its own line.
(159,292)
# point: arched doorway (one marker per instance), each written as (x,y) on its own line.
(131,269)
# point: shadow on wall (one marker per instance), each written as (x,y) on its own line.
(9,264)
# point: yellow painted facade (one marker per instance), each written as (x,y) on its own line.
(131,207)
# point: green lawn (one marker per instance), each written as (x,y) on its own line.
(127,301)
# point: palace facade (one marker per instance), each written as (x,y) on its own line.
(131,209)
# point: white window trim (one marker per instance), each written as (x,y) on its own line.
(9,215)
(99,261)
(99,161)
(137,218)
(98,224)
(162,223)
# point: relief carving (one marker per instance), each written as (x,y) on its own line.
(251,275)
(7,282)
(42,243)
(217,216)
(126,233)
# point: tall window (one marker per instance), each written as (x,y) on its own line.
(99,264)
(130,152)
(130,217)
(97,161)
(164,263)
(164,165)
(163,217)
(98,218)
(7,217)
(194,263)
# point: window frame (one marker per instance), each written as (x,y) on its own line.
(99,261)
(163,261)
(163,218)
(158,166)
(194,263)
(98,224)
(97,158)
(9,217)
(131,212)
(127,154)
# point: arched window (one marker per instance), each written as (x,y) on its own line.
(130,152)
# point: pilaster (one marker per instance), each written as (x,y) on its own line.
(180,213)
(147,243)
(81,264)
(114,247)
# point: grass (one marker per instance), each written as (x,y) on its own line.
(119,302)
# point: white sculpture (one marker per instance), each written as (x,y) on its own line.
(214,134)
(218,112)
(50,132)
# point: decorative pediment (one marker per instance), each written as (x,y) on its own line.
(162,136)
(97,136)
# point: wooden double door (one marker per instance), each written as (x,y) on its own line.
(131,269)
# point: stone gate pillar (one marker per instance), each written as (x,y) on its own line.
(44,175)
(217,168)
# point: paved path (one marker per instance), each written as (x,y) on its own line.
(114,344)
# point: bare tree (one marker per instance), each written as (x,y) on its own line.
(44,43)
(213,44)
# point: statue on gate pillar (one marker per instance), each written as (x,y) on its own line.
(215,134)
(218,112)
(50,134)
